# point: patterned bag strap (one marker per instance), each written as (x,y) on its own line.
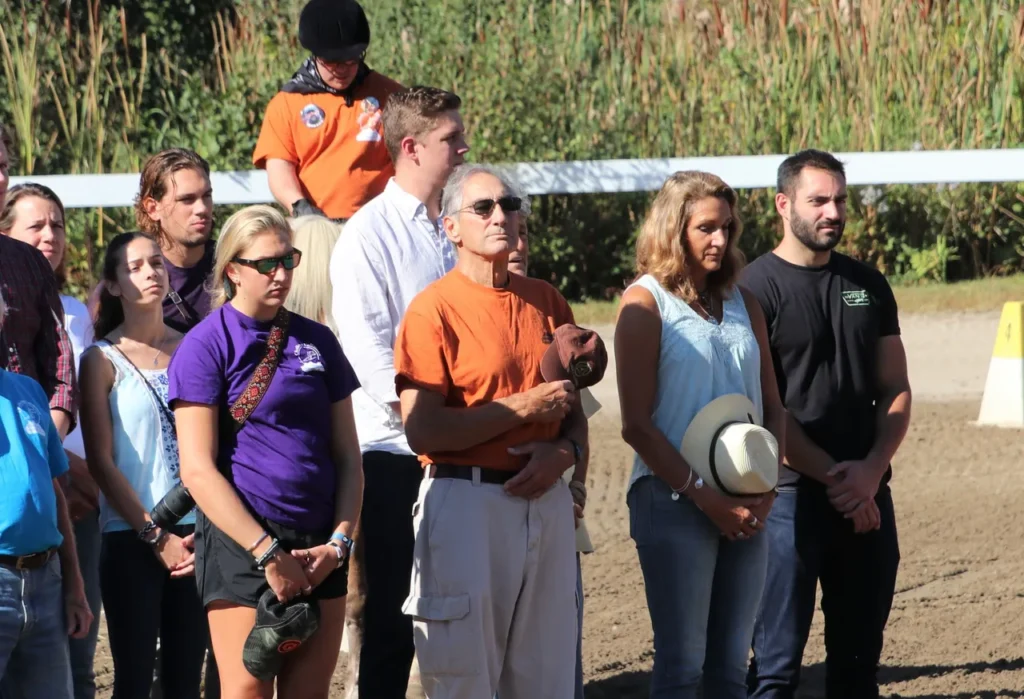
(264,374)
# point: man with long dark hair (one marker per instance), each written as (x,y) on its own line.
(175,207)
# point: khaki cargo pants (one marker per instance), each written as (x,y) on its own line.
(493,593)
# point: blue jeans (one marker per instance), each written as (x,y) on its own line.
(578,693)
(83,650)
(810,541)
(703,592)
(34,660)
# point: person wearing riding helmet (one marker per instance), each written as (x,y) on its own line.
(322,141)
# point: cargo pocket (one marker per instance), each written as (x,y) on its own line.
(446,643)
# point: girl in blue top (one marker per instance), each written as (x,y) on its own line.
(686,334)
(146,573)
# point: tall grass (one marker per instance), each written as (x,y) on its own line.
(577,79)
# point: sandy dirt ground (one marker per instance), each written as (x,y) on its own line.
(957,625)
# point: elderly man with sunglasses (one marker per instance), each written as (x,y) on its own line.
(322,142)
(493,587)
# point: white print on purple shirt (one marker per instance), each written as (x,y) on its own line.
(310,357)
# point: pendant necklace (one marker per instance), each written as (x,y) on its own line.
(707,304)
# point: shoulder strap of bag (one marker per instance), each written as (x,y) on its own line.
(264,373)
(156,396)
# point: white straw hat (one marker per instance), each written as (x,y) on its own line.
(729,450)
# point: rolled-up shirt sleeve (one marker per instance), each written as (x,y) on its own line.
(362,310)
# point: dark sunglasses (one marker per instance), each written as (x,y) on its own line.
(484,207)
(268,265)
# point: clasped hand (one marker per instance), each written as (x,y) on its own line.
(852,492)
(548,461)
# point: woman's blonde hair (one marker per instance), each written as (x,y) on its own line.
(236,236)
(310,295)
(661,248)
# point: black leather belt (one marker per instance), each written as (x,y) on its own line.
(30,562)
(465,473)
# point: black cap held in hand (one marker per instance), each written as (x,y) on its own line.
(334,30)
(280,628)
(575,354)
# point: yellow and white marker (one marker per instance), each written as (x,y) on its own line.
(1003,402)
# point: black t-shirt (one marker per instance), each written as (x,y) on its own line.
(189,300)
(824,325)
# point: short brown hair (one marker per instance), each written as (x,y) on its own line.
(156,175)
(661,250)
(24,191)
(413,111)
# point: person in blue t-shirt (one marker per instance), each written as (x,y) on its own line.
(39,607)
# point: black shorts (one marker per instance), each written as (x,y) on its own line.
(227,572)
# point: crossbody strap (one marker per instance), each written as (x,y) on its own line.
(145,382)
(259,383)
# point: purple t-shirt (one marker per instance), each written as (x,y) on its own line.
(189,300)
(280,461)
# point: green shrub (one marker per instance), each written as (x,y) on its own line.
(547,80)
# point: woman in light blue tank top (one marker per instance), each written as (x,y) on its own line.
(147,577)
(686,334)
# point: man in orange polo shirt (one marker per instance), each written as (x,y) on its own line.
(322,142)
(492,594)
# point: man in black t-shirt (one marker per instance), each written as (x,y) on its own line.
(842,373)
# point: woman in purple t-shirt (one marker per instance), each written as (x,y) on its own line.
(280,495)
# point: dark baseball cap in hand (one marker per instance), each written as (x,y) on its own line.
(280,628)
(575,354)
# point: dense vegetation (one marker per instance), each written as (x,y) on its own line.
(96,85)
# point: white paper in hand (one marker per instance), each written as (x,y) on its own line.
(590,404)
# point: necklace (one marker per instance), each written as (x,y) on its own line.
(159,348)
(706,301)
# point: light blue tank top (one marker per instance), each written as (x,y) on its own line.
(145,445)
(699,361)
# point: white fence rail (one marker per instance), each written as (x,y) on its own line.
(593,176)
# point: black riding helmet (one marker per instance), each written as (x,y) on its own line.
(334,30)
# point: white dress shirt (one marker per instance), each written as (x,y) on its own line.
(388,252)
(78,325)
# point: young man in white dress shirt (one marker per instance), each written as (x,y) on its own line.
(392,248)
